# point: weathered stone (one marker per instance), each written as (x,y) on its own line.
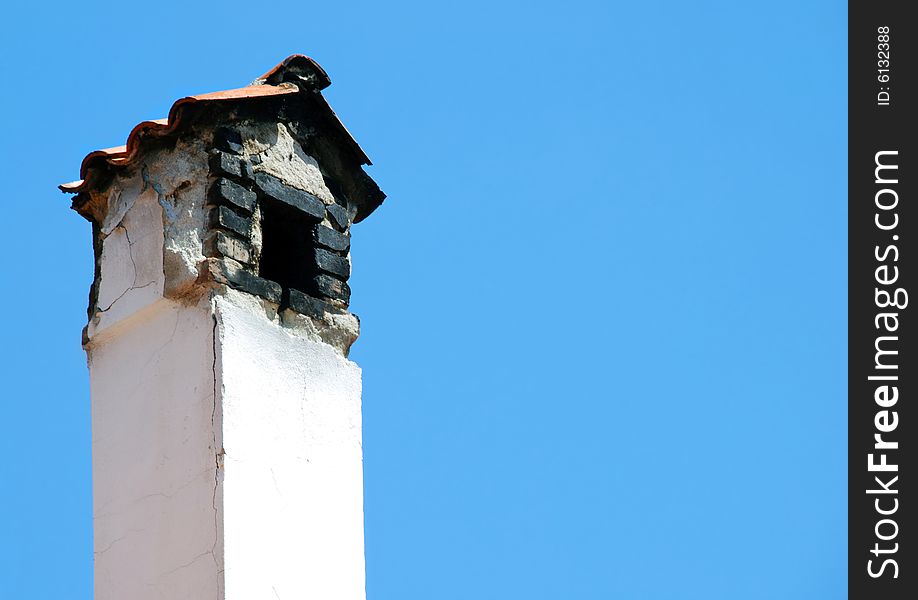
(331,239)
(326,286)
(332,263)
(218,244)
(230,193)
(303,201)
(231,273)
(228,139)
(248,172)
(283,156)
(338,215)
(305,304)
(221,217)
(225,165)
(335,327)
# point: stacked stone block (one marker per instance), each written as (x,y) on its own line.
(317,266)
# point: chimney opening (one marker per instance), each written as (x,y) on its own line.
(286,245)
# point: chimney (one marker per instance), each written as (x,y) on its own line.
(226,417)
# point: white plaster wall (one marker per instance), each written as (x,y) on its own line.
(176,383)
(293,479)
(154,470)
(131,261)
(152,235)
(151,360)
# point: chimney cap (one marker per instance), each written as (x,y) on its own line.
(295,74)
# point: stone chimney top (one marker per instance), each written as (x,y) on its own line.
(258,187)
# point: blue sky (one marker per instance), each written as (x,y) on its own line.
(604,307)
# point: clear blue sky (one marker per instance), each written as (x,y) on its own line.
(604,307)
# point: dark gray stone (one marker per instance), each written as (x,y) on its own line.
(228,139)
(334,289)
(331,239)
(221,217)
(219,244)
(337,214)
(305,304)
(229,193)
(234,275)
(248,174)
(332,263)
(225,165)
(303,201)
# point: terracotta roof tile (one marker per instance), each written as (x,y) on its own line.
(280,81)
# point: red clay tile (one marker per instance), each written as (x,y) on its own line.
(271,83)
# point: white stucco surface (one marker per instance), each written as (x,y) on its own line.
(293,479)
(227,458)
(233,475)
(153,456)
(131,261)
(151,361)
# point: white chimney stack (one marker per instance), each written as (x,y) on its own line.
(226,417)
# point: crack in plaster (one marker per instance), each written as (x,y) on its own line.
(178,490)
(118,209)
(274,479)
(218,454)
(179,187)
(116,540)
(165,344)
(154,356)
(133,285)
(184,566)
